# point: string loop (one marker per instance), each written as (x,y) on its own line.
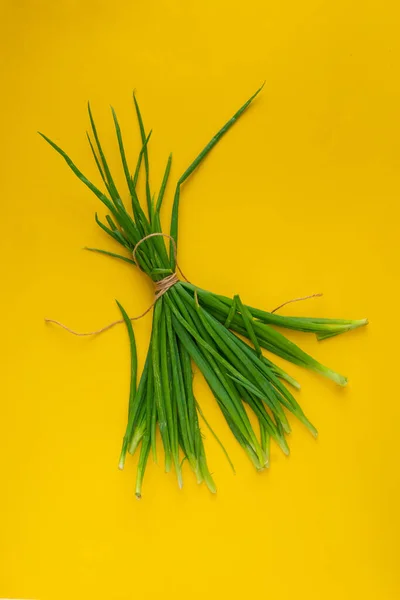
(146,237)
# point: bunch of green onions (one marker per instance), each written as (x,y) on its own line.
(191,324)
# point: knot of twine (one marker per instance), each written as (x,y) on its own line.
(160,288)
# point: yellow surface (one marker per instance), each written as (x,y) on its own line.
(301,197)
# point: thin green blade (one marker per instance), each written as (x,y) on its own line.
(195,164)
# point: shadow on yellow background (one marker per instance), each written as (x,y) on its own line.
(302,196)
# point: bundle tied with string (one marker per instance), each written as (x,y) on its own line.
(222,336)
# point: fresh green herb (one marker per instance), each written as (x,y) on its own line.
(191,324)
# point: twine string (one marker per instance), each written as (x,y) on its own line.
(296,300)
(160,288)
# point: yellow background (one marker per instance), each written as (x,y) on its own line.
(302,196)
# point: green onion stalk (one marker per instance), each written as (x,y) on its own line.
(221,335)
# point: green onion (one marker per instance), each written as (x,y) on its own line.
(224,337)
